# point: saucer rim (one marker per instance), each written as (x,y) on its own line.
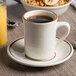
(28,64)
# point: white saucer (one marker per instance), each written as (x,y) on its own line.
(16,51)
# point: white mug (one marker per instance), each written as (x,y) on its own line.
(40,38)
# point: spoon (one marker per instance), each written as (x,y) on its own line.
(12,23)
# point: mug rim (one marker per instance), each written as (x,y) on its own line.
(37,22)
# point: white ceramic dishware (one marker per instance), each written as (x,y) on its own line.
(15,50)
(59,10)
(40,38)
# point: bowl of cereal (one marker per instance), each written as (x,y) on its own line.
(59,8)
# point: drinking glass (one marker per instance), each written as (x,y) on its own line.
(3,22)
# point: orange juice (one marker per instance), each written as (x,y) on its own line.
(3,25)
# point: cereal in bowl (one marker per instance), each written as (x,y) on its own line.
(42,2)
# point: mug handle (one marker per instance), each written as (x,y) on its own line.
(65,24)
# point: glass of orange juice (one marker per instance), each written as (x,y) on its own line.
(3,22)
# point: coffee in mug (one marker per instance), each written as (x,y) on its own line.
(40,27)
(40,18)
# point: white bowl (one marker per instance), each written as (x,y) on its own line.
(59,10)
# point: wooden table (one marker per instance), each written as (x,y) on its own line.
(10,68)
